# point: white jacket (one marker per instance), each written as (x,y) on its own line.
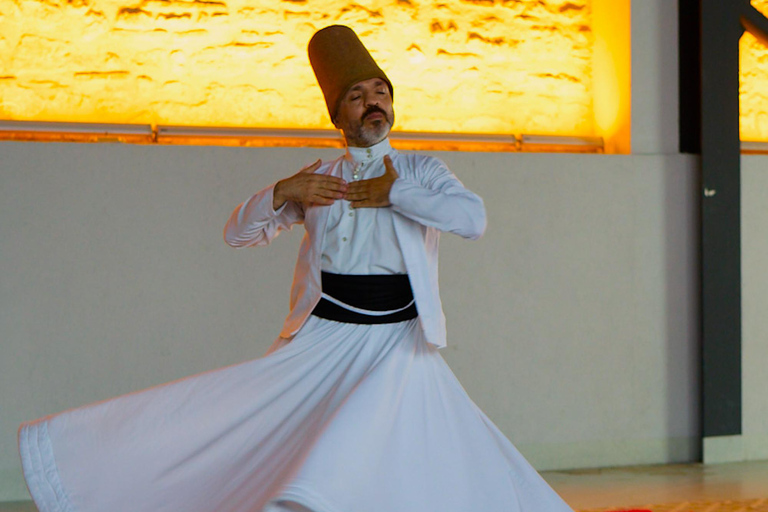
(426,198)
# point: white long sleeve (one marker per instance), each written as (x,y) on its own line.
(439,200)
(255,222)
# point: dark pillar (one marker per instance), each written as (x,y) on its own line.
(722,25)
(689,52)
(721,221)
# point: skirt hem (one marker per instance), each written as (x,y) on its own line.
(40,471)
(310,499)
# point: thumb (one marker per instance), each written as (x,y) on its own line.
(391,171)
(311,167)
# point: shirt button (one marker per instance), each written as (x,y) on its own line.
(351,214)
(344,239)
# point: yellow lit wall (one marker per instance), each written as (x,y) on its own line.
(464,66)
(753,63)
(612,73)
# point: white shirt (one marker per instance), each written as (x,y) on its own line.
(427,199)
(362,240)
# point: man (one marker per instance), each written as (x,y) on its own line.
(353,409)
(417,195)
(408,438)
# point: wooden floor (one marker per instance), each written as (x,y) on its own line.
(741,487)
(690,488)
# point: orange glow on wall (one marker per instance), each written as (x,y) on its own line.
(753,85)
(469,66)
(612,74)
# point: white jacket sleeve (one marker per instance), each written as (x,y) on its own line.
(255,223)
(434,197)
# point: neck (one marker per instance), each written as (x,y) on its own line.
(375,152)
(353,142)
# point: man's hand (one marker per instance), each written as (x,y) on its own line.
(373,193)
(309,188)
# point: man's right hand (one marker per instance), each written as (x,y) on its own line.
(309,188)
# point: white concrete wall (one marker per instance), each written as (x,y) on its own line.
(655,82)
(754,293)
(573,322)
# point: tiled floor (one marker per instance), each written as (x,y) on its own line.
(741,487)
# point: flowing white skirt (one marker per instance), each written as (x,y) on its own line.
(345,418)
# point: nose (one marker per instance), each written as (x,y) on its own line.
(371,99)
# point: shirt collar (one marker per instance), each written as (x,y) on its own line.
(369,154)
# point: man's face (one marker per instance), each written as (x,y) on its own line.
(365,113)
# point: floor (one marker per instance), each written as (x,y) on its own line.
(640,487)
(739,487)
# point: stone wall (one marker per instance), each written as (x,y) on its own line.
(510,66)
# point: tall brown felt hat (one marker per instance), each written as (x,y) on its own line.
(340,60)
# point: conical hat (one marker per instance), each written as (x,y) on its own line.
(340,61)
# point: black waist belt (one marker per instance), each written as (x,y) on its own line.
(366,299)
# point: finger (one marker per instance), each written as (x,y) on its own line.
(353,191)
(356,196)
(322,201)
(390,168)
(332,185)
(328,185)
(323,178)
(311,167)
(352,195)
(315,181)
(357,186)
(329,194)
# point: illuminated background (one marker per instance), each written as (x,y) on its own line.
(475,66)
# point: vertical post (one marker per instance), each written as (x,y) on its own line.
(721,229)
(689,78)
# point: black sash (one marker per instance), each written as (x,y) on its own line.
(371,292)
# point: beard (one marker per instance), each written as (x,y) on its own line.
(366,134)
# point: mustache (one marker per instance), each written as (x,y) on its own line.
(373,109)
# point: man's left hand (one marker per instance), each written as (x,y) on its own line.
(373,193)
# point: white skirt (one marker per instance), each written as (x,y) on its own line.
(344,418)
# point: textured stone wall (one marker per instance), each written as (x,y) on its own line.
(494,66)
(754,83)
